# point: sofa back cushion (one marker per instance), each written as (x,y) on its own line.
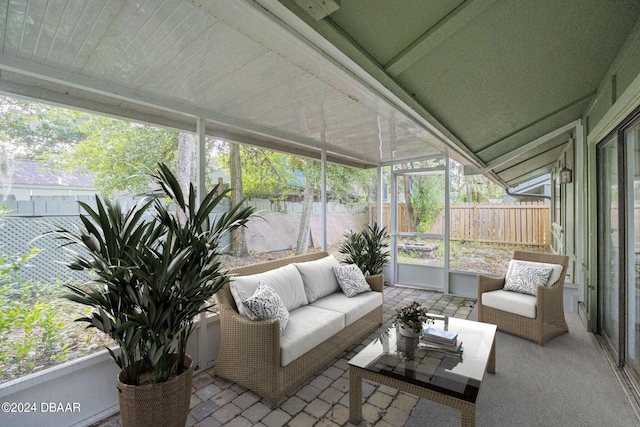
(318,278)
(286,281)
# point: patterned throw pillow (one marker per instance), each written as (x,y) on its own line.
(351,280)
(526,278)
(265,304)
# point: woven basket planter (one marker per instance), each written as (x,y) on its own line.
(163,404)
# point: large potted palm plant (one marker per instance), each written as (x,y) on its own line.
(368,249)
(155,271)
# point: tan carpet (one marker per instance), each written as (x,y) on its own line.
(568,382)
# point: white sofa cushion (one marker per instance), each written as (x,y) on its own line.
(286,281)
(308,327)
(555,274)
(318,278)
(512,302)
(353,308)
(265,304)
(351,280)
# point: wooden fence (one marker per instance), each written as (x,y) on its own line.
(527,223)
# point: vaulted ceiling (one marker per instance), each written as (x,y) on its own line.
(498,84)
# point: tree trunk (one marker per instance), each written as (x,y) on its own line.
(407,199)
(238,238)
(302,246)
(185,164)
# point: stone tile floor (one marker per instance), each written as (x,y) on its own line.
(324,399)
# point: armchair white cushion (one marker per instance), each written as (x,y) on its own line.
(513,302)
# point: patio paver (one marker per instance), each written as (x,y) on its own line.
(324,399)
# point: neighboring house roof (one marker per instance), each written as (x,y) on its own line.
(31,172)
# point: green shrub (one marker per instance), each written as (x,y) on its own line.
(29,327)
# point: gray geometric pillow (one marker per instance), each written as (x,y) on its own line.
(351,280)
(526,278)
(265,304)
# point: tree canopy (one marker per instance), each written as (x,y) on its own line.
(29,130)
(117,152)
(120,152)
(275,175)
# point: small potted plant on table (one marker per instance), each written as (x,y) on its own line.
(410,319)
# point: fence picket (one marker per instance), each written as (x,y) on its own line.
(525,223)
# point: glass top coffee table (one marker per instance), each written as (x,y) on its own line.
(405,364)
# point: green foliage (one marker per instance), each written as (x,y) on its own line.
(29,326)
(275,175)
(154,276)
(480,189)
(36,131)
(427,197)
(367,249)
(343,183)
(264,172)
(120,153)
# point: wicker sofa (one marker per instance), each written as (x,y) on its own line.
(251,351)
(548,310)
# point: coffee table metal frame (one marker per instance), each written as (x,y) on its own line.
(357,374)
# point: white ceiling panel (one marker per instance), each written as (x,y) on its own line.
(16,14)
(166,62)
(139,37)
(480,79)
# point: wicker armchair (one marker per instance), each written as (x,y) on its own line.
(549,320)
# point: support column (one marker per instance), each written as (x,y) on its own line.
(323,173)
(447,219)
(380,194)
(201,160)
(393,222)
(201,170)
(581,222)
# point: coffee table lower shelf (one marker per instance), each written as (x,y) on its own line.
(356,375)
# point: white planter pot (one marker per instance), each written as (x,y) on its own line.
(406,332)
